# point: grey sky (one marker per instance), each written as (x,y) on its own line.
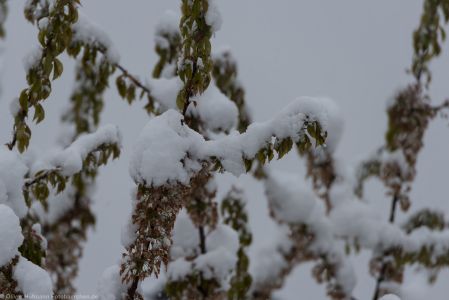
(353,51)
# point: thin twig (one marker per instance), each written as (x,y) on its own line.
(132,78)
(384,266)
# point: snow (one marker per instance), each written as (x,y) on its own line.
(110,286)
(37,230)
(12,172)
(10,235)
(213,16)
(218,262)
(397,158)
(58,205)
(43,23)
(293,204)
(128,231)
(165,91)
(168,25)
(331,118)
(161,147)
(179,269)
(390,297)
(185,237)
(86,31)
(32,280)
(214,109)
(32,58)
(14,107)
(168,152)
(285,204)
(70,160)
(269,262)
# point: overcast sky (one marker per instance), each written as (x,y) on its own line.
(353,51)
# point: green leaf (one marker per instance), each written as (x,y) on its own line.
(57,68)
(39,113)
(23,100)
(121,86)
(131,93)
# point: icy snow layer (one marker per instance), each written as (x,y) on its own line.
(167,151)
(10,235)
(70,160)
(87,32)
(12,172)
(222,245)
(110,286)
(213,108)
(32,280)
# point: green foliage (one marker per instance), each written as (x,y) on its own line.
(168,51)
(429,36)
(312,131)
(8,286)
(39,186)
(54,39)
(234,214)
(92,75)
(3,14)
(434,220)
(195,64)
(225,75)
(31,247)
(193,286)
(129,87)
